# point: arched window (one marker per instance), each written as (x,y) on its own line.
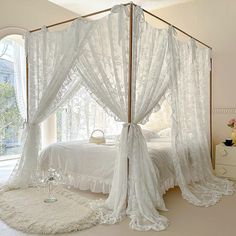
(13,108)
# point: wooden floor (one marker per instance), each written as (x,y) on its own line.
(185,219)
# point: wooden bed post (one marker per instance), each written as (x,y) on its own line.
(211,102)
(130,83)
(27,88)
(130,62)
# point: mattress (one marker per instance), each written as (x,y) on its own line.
(89,166)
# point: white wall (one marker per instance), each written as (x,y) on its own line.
(213,21)
(30,14)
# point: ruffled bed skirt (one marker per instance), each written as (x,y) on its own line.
(86,182)
(96,185)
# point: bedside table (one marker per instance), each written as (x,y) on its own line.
(225,163)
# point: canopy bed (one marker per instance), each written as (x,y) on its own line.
(127,65)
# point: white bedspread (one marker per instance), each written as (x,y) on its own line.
(90,166)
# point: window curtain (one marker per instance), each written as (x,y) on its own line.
(190,129)
(51,56)
(20,75)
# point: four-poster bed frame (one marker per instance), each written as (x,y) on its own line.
(131,4)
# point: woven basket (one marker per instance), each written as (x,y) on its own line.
(98,139)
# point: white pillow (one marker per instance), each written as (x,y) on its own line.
(165,133)
(149,134)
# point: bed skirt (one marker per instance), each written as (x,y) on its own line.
(95,185)
(85,182)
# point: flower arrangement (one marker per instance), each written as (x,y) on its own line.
(232,123)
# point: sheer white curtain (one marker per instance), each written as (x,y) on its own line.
(151,79)
(51,56)
(103,66)
(190,105)
(78,117)
(20,75)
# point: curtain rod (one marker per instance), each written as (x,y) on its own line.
(168,23)
(67,21)
(108,9)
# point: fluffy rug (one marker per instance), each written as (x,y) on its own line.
(26,211)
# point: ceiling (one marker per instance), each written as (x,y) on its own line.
(82,7)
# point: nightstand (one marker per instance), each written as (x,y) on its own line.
(225,163)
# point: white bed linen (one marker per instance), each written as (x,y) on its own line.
(89,166)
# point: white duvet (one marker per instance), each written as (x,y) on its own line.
(90,166)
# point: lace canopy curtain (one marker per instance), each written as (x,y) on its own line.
(20,76)
(51,56)
(190,129)
(80,115)
(151,79)
(103,68)
(95,55)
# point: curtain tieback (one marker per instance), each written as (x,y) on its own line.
(130,124)
(32,126)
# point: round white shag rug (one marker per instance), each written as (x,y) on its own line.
(25,210)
